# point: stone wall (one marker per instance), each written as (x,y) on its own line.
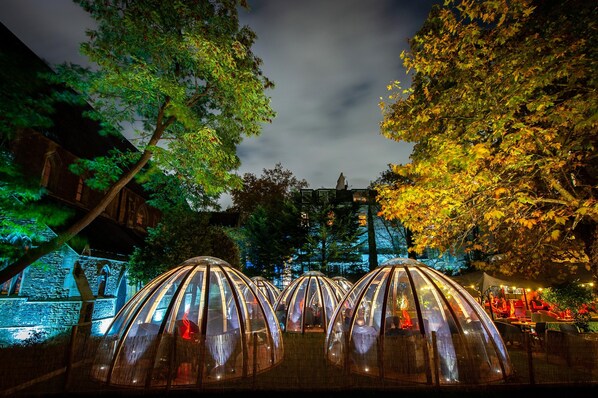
(93,267)
(20,318)
(50,301)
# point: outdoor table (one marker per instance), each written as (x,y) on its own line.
(524,325)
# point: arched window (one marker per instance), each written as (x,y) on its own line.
(46,172)
(12,286)
(51,171)
(102,280)
(141,216)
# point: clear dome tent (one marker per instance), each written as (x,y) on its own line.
(307,303)
(201,322)
(407,322)
(343,282)
(270,291)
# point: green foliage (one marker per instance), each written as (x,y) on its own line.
(103,171)
(166,191)
(271,236)
(182,234)
(270,231)
(27,101)
(333,235)
(181,70)
(571,296)
(182,75)
(502,111)
(270,189)
(25,215)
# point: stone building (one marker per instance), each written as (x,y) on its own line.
(380,241)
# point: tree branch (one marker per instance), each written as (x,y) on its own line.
(36,253)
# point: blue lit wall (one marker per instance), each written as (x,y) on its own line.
(53,297)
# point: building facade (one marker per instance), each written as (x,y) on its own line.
(68,287)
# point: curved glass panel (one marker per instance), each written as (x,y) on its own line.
(407,322)
(200,322)
(270,291)
(343,282)
(307,303)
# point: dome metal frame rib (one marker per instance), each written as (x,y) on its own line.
(228,309)
(329,293)
(267,287)
(465,332)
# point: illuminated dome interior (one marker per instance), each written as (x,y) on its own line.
(407,322)
(307,303)
(267,288)
(200,322)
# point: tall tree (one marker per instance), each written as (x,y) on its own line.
(333,236)
(271,237)
(393,235)
(270,189)
(502,111)
(183,73)
(270,230)
(181,234)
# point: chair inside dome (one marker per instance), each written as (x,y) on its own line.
(201,322)
(307,303)
(407,322)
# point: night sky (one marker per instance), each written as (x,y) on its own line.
(330,60)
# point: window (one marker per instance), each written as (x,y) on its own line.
(46,172)
(330,218)
(51,172)
(141,216)
(130,211)
(363,219)
(12,286)
(304,220)
(323,196)
(79,193)
(102,280)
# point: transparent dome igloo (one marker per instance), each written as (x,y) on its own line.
(307,303)
(343,282)
(407,322)
(270,291)
(200,322)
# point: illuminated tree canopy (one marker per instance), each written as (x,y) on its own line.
(502,111)
(182,73)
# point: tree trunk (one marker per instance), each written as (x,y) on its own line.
(593,256)
(409,242)
(36,253)
(372,250)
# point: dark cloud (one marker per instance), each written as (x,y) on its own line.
(330,60)
(350,97)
